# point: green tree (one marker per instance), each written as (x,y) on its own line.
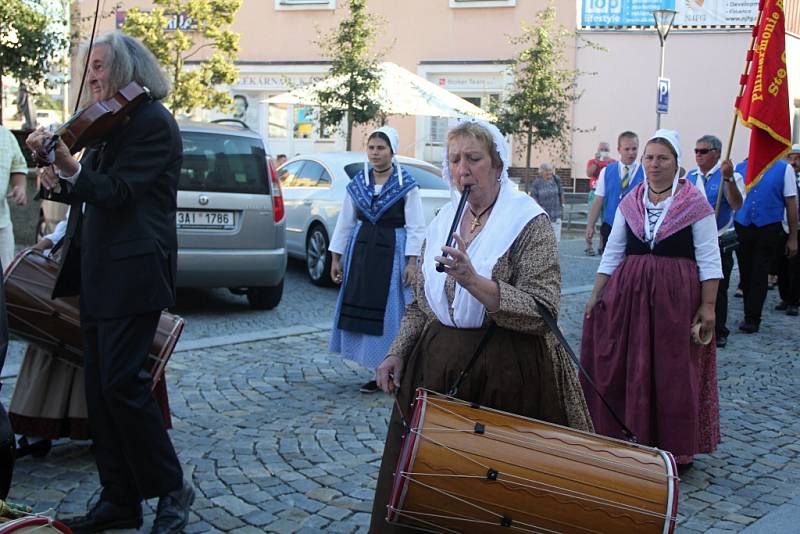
(176,31)
(30,41)
(538,104)
(354,62)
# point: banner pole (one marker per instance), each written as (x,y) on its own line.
(747,64)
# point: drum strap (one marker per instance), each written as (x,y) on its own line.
(553,325)
(478,350)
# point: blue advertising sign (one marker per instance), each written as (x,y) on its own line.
(622,12)
(662,100)
(691,13)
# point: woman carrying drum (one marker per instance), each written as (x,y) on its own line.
(504,261)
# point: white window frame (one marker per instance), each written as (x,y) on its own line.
(482,3)
(304,5)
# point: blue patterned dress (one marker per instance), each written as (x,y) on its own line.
(370,350)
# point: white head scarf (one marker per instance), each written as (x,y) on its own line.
(671,136)
(394,144)
(511,213)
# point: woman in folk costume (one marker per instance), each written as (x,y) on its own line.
(658,277)
(374,249)
(49,401)
(505,259)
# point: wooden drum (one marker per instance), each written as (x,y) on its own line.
(54,325)
(465,468)
(40,525)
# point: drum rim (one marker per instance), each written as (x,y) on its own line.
(168,348)
(406,458)
(33,521)
(671,513)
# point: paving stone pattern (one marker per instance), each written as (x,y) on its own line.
(275,437)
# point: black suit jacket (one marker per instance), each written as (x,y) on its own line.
(120,252)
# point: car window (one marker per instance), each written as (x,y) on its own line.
(353,168)
(426,177)
(288,173)
(312,175)
(222,163)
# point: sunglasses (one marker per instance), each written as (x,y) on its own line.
(703,151)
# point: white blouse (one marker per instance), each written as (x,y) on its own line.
(415,223)
(704,235)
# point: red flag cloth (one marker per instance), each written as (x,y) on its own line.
(764,104)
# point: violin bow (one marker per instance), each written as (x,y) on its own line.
(51,144)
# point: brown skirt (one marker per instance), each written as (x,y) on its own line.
(49,400)
(516,372)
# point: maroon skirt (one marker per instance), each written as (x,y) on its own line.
(638,350)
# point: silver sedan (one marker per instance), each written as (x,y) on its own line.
(313,191)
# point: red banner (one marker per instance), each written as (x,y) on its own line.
(764,104)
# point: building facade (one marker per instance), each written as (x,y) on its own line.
(463,46)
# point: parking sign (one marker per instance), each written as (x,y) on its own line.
(662,101)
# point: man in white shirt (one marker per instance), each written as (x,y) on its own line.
(13,170)
(789,267)
(708,176)
(613,183)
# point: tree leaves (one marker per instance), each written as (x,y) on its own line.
(29,41)
(539,103)
(208,41)
(350,51)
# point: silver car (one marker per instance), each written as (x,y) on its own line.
(231,219)
(314,189)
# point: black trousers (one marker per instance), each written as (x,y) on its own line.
(788,274)
(721,308)
(605,231)
(134,455)
(757,247)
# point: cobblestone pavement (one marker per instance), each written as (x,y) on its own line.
(276,438)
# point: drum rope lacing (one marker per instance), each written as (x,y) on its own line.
(498,432)
(515,525)
(526,483)
(48,514)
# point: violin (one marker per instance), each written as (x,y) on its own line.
(94,123)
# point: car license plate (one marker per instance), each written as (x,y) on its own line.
(223,220)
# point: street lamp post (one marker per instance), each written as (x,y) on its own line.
(664,19)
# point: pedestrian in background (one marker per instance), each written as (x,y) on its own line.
(547,191)
(658,276)
(602,158)
(709,179)
(13,170)
(374,249)
(613,183)
(758,228)
(789,267)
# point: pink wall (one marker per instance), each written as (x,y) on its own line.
(703,68)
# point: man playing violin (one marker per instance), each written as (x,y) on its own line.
(120,256)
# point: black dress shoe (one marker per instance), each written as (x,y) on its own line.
(684,468)
(781,306)
(172,513)
(369,387)
(748,327)
(104,516)
(722,341)
(791,309)
(37,449)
